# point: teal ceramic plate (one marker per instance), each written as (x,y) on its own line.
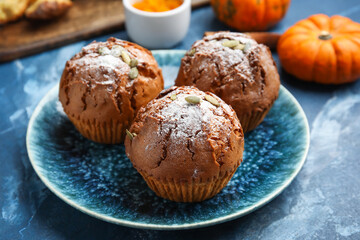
(100,181)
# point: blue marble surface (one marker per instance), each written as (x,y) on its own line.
(321,203)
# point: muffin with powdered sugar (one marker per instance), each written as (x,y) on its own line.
(186,144)
(103,87)
(237,69)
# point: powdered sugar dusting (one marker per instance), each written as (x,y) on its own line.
(228,55)
(184,120)
(107,63)
(222,63)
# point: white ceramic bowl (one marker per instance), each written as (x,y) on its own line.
(157,29)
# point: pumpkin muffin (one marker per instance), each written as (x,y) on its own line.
(47,9)
(186,144)
(103,87)
(238,70)
(11,10)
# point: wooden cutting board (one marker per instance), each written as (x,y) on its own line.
(86,19)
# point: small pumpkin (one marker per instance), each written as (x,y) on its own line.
(250,15)
(322,49)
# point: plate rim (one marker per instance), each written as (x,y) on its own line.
(132,224)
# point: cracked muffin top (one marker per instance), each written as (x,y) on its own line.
(109,81)
(185,134)
(234,67)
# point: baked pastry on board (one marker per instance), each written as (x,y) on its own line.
(237,69)
(103,87)
(186,144)
(47,9)
(11,10)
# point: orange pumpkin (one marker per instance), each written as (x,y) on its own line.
(322,49)
(250,15)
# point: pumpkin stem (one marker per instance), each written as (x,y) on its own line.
(325,35)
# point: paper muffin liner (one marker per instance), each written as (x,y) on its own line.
(110,132)
(195,190)
(251,121)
